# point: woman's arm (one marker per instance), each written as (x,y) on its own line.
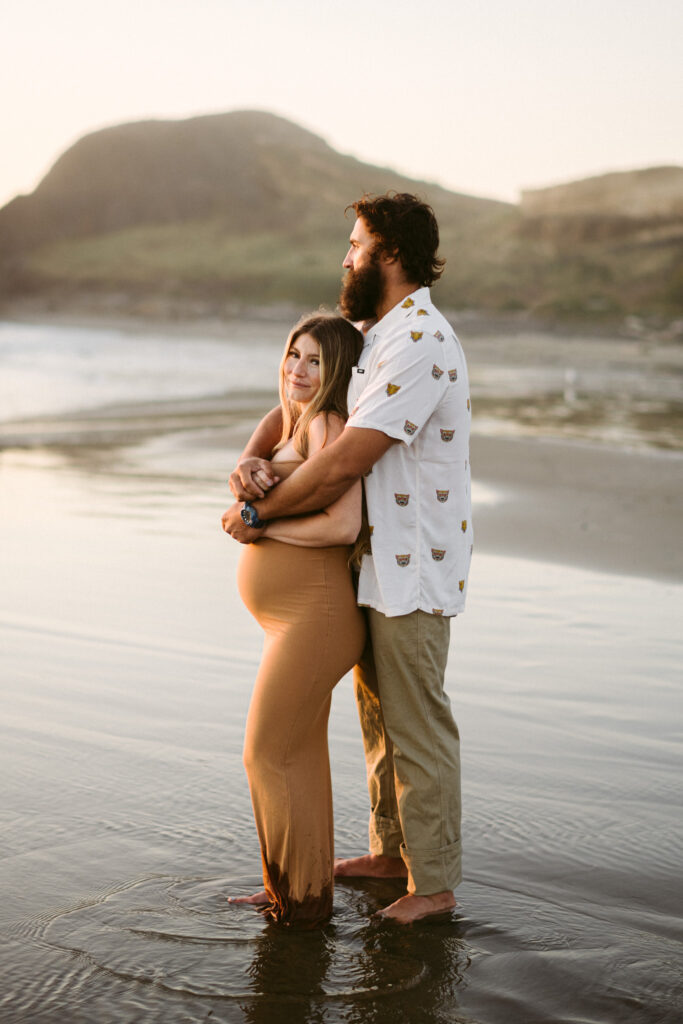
(340,522)
(244,481)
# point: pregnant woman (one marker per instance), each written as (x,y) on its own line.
(295,580)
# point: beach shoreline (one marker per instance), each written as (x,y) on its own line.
(560,471)
(547,499)
(197,319)
(128,663)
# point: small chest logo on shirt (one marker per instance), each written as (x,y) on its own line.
(447,435)
(442,496)
(436,372)
(416,335)
(402,560)
(392,389)
(402,499)
(409,427)
(452,376)
(407,304)
(438,553)
(438,335)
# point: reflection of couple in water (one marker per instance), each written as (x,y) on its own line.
(404,382)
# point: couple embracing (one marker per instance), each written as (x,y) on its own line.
(358,538)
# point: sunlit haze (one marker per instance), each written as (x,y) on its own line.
(486,98)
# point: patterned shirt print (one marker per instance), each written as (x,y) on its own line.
(411,383)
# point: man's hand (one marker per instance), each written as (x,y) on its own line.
(251,478)
(234,525)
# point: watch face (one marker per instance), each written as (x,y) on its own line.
(250,516)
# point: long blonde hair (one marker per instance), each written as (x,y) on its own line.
(340,346)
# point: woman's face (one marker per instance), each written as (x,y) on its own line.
(302,369)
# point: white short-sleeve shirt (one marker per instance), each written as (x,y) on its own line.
(411,383)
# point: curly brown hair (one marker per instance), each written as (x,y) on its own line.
(405,227)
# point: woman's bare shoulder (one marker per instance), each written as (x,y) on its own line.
(325,428)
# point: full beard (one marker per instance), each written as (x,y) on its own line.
(361,293)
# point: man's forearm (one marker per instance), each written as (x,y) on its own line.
(326,475)
(316,484)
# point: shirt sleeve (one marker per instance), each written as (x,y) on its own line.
(404,388)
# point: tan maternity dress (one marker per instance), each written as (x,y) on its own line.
(304,600)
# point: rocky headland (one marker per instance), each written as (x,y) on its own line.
(203,217)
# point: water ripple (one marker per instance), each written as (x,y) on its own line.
(182,935)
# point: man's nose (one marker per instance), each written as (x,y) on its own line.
(348,260)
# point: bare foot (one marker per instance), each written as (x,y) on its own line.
(411,908)
(257,900)
(370,866)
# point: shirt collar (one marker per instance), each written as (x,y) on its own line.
(405,308)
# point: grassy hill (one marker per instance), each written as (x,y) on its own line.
(247,207)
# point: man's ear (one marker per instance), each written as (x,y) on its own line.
(390,257)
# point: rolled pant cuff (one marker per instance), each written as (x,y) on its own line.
(385,837)
(432,871)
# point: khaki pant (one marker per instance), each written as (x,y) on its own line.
(412,747)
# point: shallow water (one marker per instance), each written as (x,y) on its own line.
(50,370)
(126,669)
(609,390)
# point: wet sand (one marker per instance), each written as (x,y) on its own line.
(127,666)
(582,505)
(127,662)
(577,502)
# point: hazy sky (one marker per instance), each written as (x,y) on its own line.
(483,97)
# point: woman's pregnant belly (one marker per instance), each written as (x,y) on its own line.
(284,583)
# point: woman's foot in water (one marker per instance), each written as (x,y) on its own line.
(258,899)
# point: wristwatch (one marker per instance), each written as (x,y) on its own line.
(250,516)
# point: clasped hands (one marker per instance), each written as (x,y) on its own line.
(252,478)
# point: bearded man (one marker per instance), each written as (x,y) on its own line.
(408,436)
